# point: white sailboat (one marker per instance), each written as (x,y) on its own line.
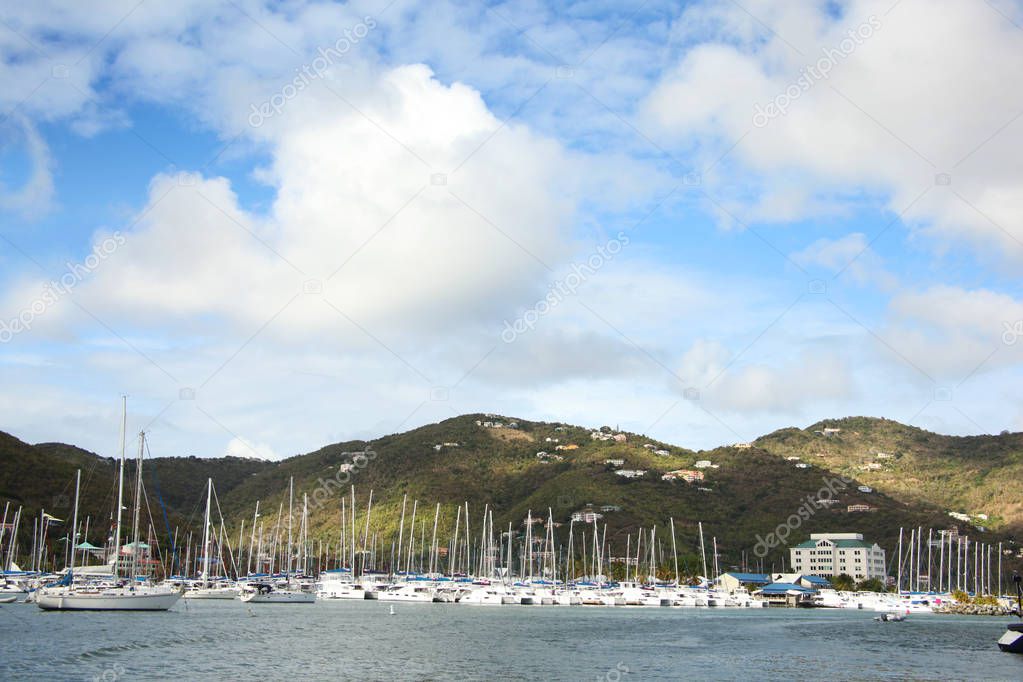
(286,591)
(207,588)
(125,594)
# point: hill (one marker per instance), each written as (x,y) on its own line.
(745,494)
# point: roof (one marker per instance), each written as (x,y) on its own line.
(781,588)
(807,544)
(816,580)
(86,545)
(852,543)
(762,578)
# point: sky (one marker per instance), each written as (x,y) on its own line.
(275,226)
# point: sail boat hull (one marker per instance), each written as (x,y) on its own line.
(279,597)
(106,600)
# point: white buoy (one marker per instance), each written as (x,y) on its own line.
(392,609)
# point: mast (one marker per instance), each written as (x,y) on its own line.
(898,585)
(74,524)
(674,551)
(369,511)
(941,560)
(206,536)
(120,487)
(411,539)
(453,555)
(138,509)
(703,552)
(401,529)
(433,538)
(291,503)
(252,539)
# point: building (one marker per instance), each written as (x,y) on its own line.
(687,475)
(828,554)
(586,516)
(631,473)
(731,582)
(855,508)
(614,462)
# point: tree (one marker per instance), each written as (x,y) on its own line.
(843,582)
(872,585)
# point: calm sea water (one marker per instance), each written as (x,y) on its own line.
(360,640)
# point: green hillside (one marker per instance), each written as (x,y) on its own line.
(746,493)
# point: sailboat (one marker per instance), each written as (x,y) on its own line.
(124,593)
(287,591)
(207,588)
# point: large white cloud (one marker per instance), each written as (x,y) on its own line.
(926,93)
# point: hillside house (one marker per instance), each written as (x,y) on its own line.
(614,462)
(586,516)
(857,508)
(687,475)
(631,473)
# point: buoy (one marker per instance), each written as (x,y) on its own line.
(392,609)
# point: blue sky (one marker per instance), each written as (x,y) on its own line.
(423,176)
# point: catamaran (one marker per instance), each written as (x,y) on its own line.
(290,589)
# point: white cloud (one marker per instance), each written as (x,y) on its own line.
(35,195)
(786,386)
(951,333)
(927,93)
(850,254)
(240,447)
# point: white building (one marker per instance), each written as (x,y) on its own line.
(829,554)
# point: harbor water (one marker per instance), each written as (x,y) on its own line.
(363,640)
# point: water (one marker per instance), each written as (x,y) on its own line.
(360,640)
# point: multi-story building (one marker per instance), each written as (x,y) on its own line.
(830,554)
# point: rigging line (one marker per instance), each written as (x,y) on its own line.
(159,497)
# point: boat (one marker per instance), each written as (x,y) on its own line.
(8,600)
(120,594)
(208,588)
(268,593)
(890,618)
(114,598)
(1012,641)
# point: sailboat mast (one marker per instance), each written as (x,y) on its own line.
(674,551)
(120,486)
(138,507)
(703,552)
(206,535)
(74,523)
(365,538)
(291,504)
